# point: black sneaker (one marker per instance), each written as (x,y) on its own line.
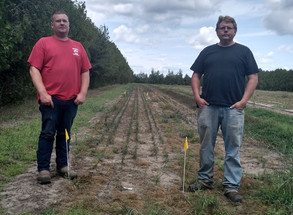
(233,196)
(200,186)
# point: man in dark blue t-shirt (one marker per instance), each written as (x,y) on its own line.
(223,67)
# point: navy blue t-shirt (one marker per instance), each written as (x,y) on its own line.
(224,70)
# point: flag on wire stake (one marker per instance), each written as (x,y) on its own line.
(185,149)
(67,154)
(186,144)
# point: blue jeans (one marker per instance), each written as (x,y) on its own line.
(55,120)
(209,119)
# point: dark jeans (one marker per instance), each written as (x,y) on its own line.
(55,119)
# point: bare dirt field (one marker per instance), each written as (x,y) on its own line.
(131,156)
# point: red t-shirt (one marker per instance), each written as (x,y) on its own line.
(61,64)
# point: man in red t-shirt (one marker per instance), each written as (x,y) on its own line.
(59,68)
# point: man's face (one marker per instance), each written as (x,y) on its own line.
(60,25)
(226,32)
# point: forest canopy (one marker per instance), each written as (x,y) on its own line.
(24,22)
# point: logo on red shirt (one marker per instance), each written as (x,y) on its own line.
(75,51)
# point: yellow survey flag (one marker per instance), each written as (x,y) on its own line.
(186,144)
(66,135)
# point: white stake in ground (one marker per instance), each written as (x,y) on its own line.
(67,153)
(185,149)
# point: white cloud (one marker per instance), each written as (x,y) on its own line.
(125,34)
(131,35)
(257,34)
(207,36)
(270,54)
(97,18)
(123,8)
(264,58)
(280,16)
(267,58)
(246,8)
(172,12)
(163,12)
(144,29)
(286,48)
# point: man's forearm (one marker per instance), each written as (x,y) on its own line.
(85,81)
(37,80)
(250,87)
(195,84)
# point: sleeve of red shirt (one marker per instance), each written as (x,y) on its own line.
(86,65)
(36,57)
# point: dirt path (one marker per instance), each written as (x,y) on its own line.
(133,158)
(270,107)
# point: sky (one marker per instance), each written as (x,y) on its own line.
(168,35)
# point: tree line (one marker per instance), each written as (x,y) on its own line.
(24,22)
(155,77)
(276,80)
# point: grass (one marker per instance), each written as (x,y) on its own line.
(202,203)
(18,142)
(274,129)
(277,190)
(278,99)
(17,149)
(19,113)
(96,104)
(180,89)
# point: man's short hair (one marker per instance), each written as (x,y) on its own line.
(227,19)
(58,12)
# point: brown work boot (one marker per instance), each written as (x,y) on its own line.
(44,177)
(200,185)
(64,173)
(233,196)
